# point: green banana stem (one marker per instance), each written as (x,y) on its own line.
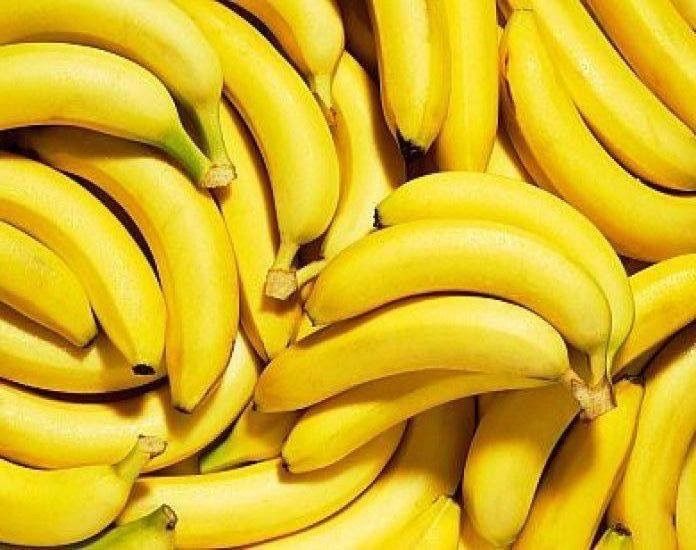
(153,531)
(145,449)
(615,538)
(207,118)
(199,168)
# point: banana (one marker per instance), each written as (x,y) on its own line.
(304,328)
(659,45)
(414,69)
(48,432)
(187,237)
(332,429)
(154,34)
(118,280)
(266,90)
(542,118)
(256,436)
(35,282)
(582,477)
(646,498)
(30,496)
(687,9)
(358,29)
(261,501)
(627,118)
(401,261)
(469,333)
(469,539)
(686,502)
(614,538)
(311,33)
(468,131)
(504,160)
(436,528)
(186,466)
(154,532)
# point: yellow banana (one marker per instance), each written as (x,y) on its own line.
(36,282)
(401,261)
(48,432)
(118,280)
(414,69)
(31,497)
(504,160)
(358,29)
(468,131)
(154,34)
(436,528)
(639,221)
(427,464)
(255,436)
(582,477)
(187,237)
(659,46)
(266,90)
(686,502)
(628,119)
(646,498)
(261,501)
(154,532)
(614,538)
(687,9)
(186,466)
(469,538)
(469,333)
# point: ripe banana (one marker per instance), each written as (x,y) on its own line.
(187,237)
(435,528)
(614,538)
(255,436)
(266,90)
(686,502)
(401,261)
(582,477)
(118,280)
(627,118)
(414,69)
(35,282)
(468,131)
(154,532)
(469,539)
(541,116)
(504,160)
(360,40)
(28,496)
(261,501)
(469,333)
(48,432)
(311,33)
(660,47)
(154,34)
(646,498)
(687,9)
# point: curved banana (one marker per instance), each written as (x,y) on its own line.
(660,47)
(35,282)
(687,9)
(187,237)
(504,160)
(686,501)
(414,69)
(646,498)
(469,333)
(627,118)
(542,118)
(154,34)
(469,538)
(436,528)
(118,280)
(360,40)
(266,90)
(31,496)
(47,432)
(614,538)
(582,477)
(468,131)
(437,437)
(401,261)
(261,501)
(154,532)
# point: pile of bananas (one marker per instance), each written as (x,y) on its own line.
(227,319)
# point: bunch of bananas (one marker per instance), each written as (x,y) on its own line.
(262,335)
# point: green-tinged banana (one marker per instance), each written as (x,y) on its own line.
(582,477)
(627,118)
(187,237)
(638,220)
(687,9)
(36,282)
(686,502)
(403,260)
(255,436)
(660,47)
(360,40)
(154,532)
(614,538)
(426,465)
(436,528)
(261,501)
(154,34)
(266,90)
(47,432)
(468,131)
(98,90)
(469,333)
(30,497)
(119,282)
(311,33)
(504,160)
(187,466)
(411,41)
(469,538)
(645,501)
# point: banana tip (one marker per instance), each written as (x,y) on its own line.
(219,175)
(280,283)
(409,150)
(143,369)
(152,445)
